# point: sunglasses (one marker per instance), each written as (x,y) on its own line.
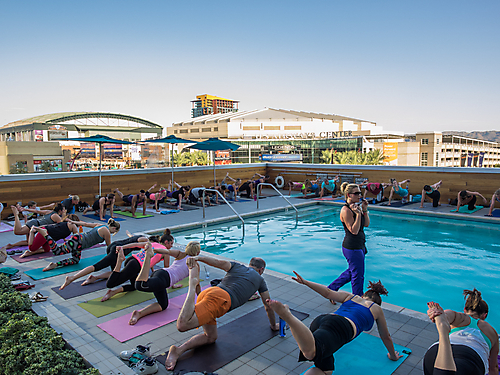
(357,193)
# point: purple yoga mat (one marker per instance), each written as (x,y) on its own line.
(5,227)
(18,258)
(122,331)
(75,289)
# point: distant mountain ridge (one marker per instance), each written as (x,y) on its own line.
(490,135)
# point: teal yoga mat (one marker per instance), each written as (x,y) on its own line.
(465,210)
(366,354)
(38,274)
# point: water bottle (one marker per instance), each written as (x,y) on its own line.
(80,229)
(411,198)
(282,328)
(207,274)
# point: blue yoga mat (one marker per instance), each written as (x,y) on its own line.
(106,217)
(166,212)
(366,354)
(38,274)
(465,209)
(495,213)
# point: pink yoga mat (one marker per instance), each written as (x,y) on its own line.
(5,227)
(18,258)
(122,331)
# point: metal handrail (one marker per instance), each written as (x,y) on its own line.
(277,191)
(224,199)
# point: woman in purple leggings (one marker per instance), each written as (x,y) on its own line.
(354,218)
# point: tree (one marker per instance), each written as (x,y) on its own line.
(374,157)
(18,167)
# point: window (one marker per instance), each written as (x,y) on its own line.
(206,130)
(425,141)
(437,159)
(424,158)
(437,141)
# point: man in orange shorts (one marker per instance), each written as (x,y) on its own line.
(239,284)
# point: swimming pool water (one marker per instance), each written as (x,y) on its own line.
(418,258)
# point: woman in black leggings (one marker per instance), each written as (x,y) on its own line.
(133,265)
(108,261)
(163,279)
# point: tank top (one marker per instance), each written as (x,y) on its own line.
(92,237)
(474,338)
(360,315)
(47,219)
(178,270)
(154,260)
(58,231)
(152,196)
(354,241)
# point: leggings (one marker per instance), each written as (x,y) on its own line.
(38,242)
(111,257)
(330,332)
(129,272)
(157,284)
(435,195)
(73,246)
(467,361)
(355,273)
(246,188)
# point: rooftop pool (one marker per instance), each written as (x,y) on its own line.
(418,258)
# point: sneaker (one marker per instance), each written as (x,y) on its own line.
(148,366)
(140,349)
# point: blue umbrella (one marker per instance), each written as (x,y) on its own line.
(171,139)
(100,139)
(215,144)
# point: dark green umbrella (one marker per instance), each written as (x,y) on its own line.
(100,139)
(215,144)
(171,139)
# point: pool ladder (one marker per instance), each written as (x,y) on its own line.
(224,199)
(259,187)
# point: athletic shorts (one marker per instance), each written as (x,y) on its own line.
(212,303)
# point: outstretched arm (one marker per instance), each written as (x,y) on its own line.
(323,290)
(264,296)
(385,336)
(423,199)
(217,263)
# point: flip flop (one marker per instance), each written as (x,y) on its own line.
(37,297)
(11,252)
(23,286)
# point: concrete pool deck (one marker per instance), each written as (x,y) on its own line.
(277,356)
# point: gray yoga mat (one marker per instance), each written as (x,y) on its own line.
(75,289)
(233,340)
(185,207)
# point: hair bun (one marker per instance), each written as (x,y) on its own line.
(343,187)
(377,288)
(475,297)
(167,231)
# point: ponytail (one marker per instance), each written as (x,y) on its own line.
(167,236)
(113,224)
(375,290)
(474,302)
(346,188)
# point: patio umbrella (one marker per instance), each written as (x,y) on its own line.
(100,139)
(215,144)
(171,139)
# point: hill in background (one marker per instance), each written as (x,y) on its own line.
(490,135)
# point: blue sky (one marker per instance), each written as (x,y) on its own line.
(409,66)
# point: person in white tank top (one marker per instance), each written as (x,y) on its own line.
(163,278)
(467,344)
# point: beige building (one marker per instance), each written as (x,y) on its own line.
(28,157)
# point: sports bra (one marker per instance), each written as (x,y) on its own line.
(360,315)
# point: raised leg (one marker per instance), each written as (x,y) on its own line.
(444,358)
(76,276)
(187,318)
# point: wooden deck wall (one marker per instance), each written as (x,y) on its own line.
(53,187)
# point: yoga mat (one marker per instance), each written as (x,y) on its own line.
(495,213)
(38,274)
(397,204)
(137,215)
(120,301)
(365,354)
(309,196)
(234,339)
(75,289)
(106,217)
(49,254)
(122,331)
(5,227)
(465,209)
(166,212)
(325,199)
(185,207)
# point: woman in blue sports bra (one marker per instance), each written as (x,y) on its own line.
(467,344)
(396,188)
(329,332)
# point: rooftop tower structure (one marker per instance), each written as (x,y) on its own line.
(211,105)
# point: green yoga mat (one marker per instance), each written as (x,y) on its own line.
(366,353)
(465,209)
(121,301)
(129,214)
(38,274)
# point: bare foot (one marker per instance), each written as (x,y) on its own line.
(434,310)
(173,356)
(282,310)
(177,286)
(120,255)
(90,280)
(136,315)
(68,281)
(27,253)
(194,276)
(108,295)
(42,231)
(51,266)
